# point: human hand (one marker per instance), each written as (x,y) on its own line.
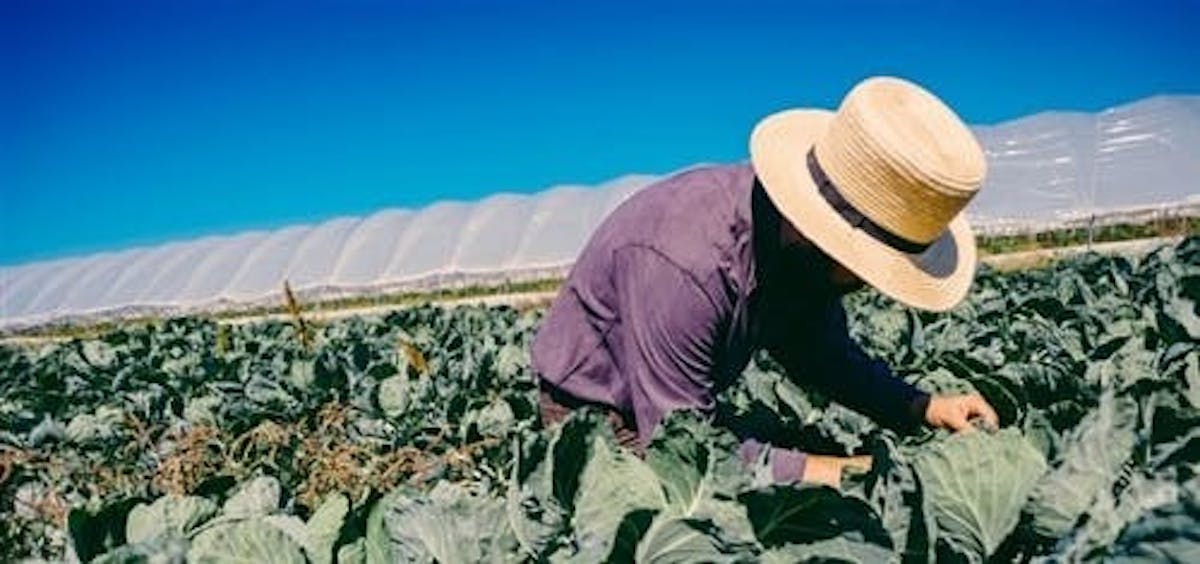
(819,469)
(956,412)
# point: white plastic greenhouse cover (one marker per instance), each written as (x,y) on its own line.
(1045,169)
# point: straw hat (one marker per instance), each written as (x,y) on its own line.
(879,186)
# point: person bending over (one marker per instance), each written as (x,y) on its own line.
(686,279)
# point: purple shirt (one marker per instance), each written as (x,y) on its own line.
(674,292)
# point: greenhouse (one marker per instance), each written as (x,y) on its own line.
(1138,160)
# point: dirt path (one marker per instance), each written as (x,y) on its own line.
(1042,257)
(1008,261)
(520,299)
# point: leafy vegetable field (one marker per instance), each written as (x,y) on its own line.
(414,437)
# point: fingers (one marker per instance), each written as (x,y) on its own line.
(819,469)
(959,421)
(979,407)
(990,415)
(957,413)
(825,470)
(861,462)
(969,408)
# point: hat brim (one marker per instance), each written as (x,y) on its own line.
(935,280)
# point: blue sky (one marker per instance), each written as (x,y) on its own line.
(134,123)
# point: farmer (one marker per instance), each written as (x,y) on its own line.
(682,282)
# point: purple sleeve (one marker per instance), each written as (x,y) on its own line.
(787,465)
(665,347)
(822,352)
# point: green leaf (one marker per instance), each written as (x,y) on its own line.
(289,525)
(494,420)
(168,515)
(203,410)
(257,497)
(48,431)
(1110,513)
(377,547)
(353,553)
(677,539)
(167,549)
(1091,463)
(535,517)
(321,533)
(700,472)
(630,532)
(977,483)
(1169,533)
(894,490)
(1179,321)
(613,483)
(511,362)
(448,525)
(830,550)
(783,515)
(252,540)
(87,428)
(794,398)
(393,395)
(92,533)
(570,452)
(1189,372)
(545,481)
(325,527)
(943,381)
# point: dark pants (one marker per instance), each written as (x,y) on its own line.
(556,405)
